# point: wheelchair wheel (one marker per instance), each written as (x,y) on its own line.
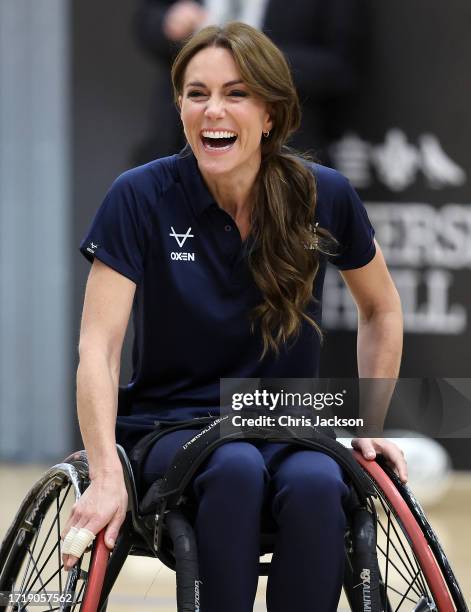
(415,573)
(32,575)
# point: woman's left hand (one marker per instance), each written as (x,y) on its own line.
(369,447)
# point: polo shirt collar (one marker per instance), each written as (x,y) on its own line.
(198,194)
(193,184)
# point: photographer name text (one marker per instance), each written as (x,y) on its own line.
(286,420)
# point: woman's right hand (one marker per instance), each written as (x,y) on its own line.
(103,503)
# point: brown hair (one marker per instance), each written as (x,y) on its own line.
(284,257)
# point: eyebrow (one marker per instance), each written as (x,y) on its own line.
(228,84)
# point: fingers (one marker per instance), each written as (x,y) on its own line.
(73,518)
(369,447)
(69,560)
(103,504)
(76,521)
(76,543)
(365,446)
(94,525)
(66,543)
(113,529)
(395,458)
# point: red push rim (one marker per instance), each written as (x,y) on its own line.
(428,563)
(96,574)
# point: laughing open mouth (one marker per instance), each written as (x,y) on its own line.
(222,140)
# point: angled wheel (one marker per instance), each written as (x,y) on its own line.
(31,570)
(415,573)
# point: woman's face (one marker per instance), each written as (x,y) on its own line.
(222,120)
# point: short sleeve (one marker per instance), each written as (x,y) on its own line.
(351,227)
(119,233)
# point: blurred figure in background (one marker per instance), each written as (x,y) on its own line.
(323,41)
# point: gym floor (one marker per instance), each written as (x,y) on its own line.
(145,583)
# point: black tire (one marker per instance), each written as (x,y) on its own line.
(407,582)
(30,555)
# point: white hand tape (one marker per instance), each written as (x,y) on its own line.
(80,542)
(68,540)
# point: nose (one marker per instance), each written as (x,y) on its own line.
(215,108)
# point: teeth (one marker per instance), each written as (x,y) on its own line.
(210,134)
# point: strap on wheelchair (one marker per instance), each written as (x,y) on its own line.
(139,452)
(167,493)
(152,502)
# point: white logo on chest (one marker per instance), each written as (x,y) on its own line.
(181,239)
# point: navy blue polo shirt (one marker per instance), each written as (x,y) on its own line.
(160,227)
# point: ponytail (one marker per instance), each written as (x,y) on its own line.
(284,259)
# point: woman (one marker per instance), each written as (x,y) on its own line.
(216,250)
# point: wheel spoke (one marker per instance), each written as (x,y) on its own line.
(43,566)
(36,536)
(401,574)
(79,595)
(38,576)
(49,533)
(401,563)
(58,523)
(412,560)
(409,569)
(56,546)
(35,561)
(412,568)
(387,555)
(402,594)
(405,594)
(52,576)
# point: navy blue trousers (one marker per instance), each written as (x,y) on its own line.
(241,485)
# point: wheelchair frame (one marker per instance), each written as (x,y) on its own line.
(430,575)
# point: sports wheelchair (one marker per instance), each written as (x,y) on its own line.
(412,571)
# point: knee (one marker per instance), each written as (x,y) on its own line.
(321,485)
(311,482)
(237,466)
